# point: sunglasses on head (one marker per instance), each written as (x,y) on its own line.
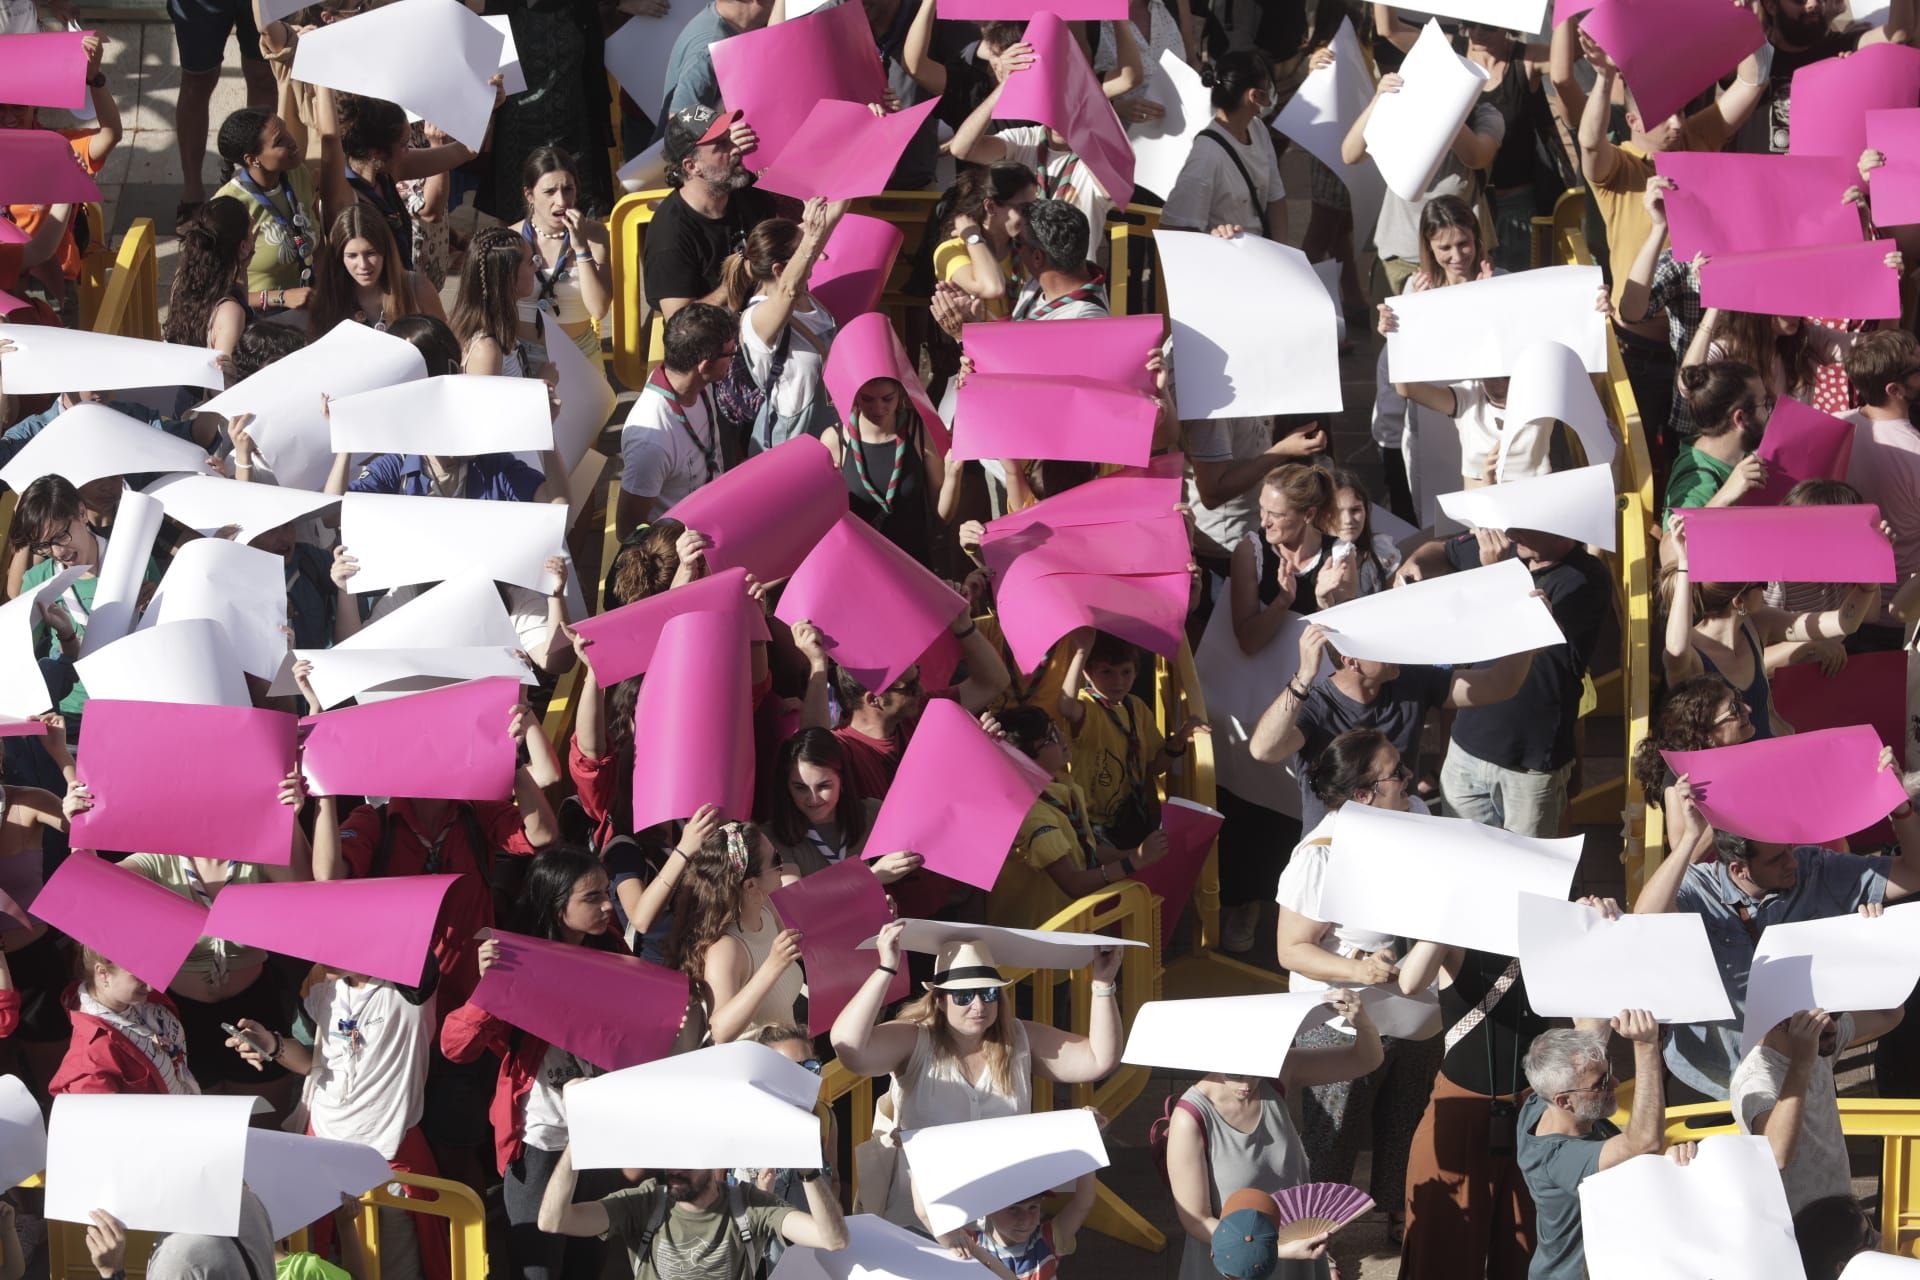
(986,995)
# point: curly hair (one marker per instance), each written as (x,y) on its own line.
(709,897)
(370,128)
(210,247)
(239,135)
(487,305)
(1685,723)
(335,296)
(646,565)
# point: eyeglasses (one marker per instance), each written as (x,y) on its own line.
(64,538)
(1737,714)
(812,1064)
(1608,1081)
(1400,774)
(728,354)
(985,995)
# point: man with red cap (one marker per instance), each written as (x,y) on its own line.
(710,212)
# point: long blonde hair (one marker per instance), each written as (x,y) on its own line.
(929,1012)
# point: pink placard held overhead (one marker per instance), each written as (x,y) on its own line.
(611,1009)
(622,641)
(852,274)
(11,727)
(1023,10)
(1831,98)
(877,608)
(1895,186)
(1148,544)
(1787,544)
(1871,690)
(382,927)
(1800,443)
(1147,609)
(20,881)
(1804,788)
(865,348)
(45,69)
(1110,500)
(958,798)
(835,910)
(226,806)
(143,928)
(444,744)
(776,74)
(1061,92)
(1669,51)
(1730,202)
(1112,349)
(765,514)
(1190,831)
(1075,419)
(1851,280)
(842,151)
(38,166)
(696,697)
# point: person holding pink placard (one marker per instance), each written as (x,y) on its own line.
(1788,351)
(1700,712)
(1884,368)
(817,819)
(727,936)
(1118,751)
(91,147)
(1800,34)
(898,481)
(127,1037)
(785,332)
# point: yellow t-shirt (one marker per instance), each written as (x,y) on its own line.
(951,255)
(1621,199)
(1025,896)
(275,263)
(1042,690)
(1102,764)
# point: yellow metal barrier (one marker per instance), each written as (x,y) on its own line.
(129,302)
(94,266)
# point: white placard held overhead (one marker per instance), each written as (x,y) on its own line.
(50,361)
(340,673)
(1579,964)
(1550,383)
(123,571)
(513,78)
(401,541)
(878,1250)
(1528,17)
(1409,132)
(586,397)
(1725,1214)
(1474,615)
(1445,880)
(1577,504)
(637,54)
(726,1106)
(190,661)
(23,691)
(209,504)
(458,415)
(242,589)
(1238,688)
(458,630)
(157,1162)
(285,398)
(1253,330)
(1160,146)
(1011,948)
(23,1134)
(1480,329)
(300,1178)
(1881,1266)
(380,57)
(1237,1035)
(1844,964)
(1319,116)
(962,1172)
(90,442)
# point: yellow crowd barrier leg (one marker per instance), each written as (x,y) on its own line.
(1118,1220)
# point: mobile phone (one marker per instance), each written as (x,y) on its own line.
(240,1035)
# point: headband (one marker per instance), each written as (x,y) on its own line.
(736,834)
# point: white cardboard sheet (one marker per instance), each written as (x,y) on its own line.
(381,58)
(646,171)
(1238,687)
(1578,504)
(1445,880)
(208,504)
(240,588)
(1160,146)
(123,571)
(457,630)
(401,540)
(1254,332)
(1237,1035)
(340,673)
(300,1178)
(965,1171)
(637,54)
(459,415)
(1550,383)
(1881,1266)
(190,661)
(1578,964)
(23,691)
(91,441)
(1528,17)
(1011,948)
(1844,964)
(1321,112)
(1480,329)
(1410,131)
(878,1250)
(586,397)
(1725,1214)
(1475,615)
(512,77)
(165,1162)
(726,1106)
(49,361)
(23,1134)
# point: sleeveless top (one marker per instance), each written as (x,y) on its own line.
(777,1004)
(897,507)
(1758,695)
(1271,1157)
(929,1091)
(557,293)
(1306,597)
(1490,1069)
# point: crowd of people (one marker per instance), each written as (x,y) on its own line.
(1482,1118)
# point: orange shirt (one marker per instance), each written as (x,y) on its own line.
(29,216)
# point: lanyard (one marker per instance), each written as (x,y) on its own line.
(1089,292)
(549,281)
(893,481)
(204,897)
(295,227)
(708,450)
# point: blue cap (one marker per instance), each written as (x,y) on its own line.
(1246,1245)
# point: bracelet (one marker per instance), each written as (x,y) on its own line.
(1175,754)
(1299,693)
(1106,988)
(807,1175)
(1126,866)
(972,627)
(1106,876)
(887,968)
(279,1043)
(676,849)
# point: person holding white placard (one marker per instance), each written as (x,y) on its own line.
(365,151)
(205,304)
(1232,177)
(127,1038)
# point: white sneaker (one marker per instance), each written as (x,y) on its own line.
(1238,926)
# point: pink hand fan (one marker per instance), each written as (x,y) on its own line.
(1317,1208)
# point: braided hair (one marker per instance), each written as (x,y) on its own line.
(486,305)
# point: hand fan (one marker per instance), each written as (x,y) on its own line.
(1315,1208)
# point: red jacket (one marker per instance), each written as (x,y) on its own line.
(100,1059)
(9,1013)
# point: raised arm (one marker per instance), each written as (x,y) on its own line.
(1067,1058)
(1562,55)
(817,223)
(1395,32)
(1353,147)
(1636,298)
(1689,840)
(1780,1123)
(107,134)
(1678,657)
(864,1047)
(704,822)
(1484,686)
(822,1226)
(1129,72)
(916,53)
(1641,1137)
(971,141)
(559,1215)
(1306,1068)
(1598,156)
(1278,734)
(734,1000)
(987,675)
(1746,92)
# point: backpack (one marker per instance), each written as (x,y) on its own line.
(745,406)
(1158,1131)
(736,1207)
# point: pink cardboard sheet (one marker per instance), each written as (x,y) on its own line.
(20,881)
(1871,690)
(1800,443)
(867,347)
(224,804)
(835,910)
(11,727)
(1804,788)
(765,514)
(697,698)
(877,608)
(37,166)
(1147,544)
(958,798)
(1831,98)
(1190,829)
(383,928)
(143,928)
(1895,187)
(1023,10)
(1849,280)
(776,74)
(45,69)
(852,272)
(1111,349)
(444,744)
(1147,609)
(1061,92)
(1731,202)
(1115,499)
(1027,415)
(622,641)
(609,1008)
(1669,51)
(10,304)
(1787,544)
(842,151)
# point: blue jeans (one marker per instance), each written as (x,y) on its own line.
(1520,800)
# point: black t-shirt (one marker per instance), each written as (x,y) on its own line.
(1767,131)
(1399,712)
(684,249)
(1487,1059)
(1534,728)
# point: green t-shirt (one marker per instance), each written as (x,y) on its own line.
(307,1266)
(82,590)
(1696,477)
(1554,1165)
(692,1246)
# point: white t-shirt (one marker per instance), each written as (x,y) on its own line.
(1065,176)
(1483,427)
(546,1126)
(1300,886)
(1819,1166)
(1210,192)
(800,377)
(660,456)
(369,1078)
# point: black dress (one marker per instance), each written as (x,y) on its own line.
(869,470)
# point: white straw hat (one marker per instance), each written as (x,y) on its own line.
(965,966)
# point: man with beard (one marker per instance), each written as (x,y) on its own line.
(1565,1136)
(1800,32)
(688,1224)
(710,212)
(1730,409)
(1884,368)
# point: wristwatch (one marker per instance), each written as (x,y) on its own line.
(807,1175)
(973,236)
(97,80)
